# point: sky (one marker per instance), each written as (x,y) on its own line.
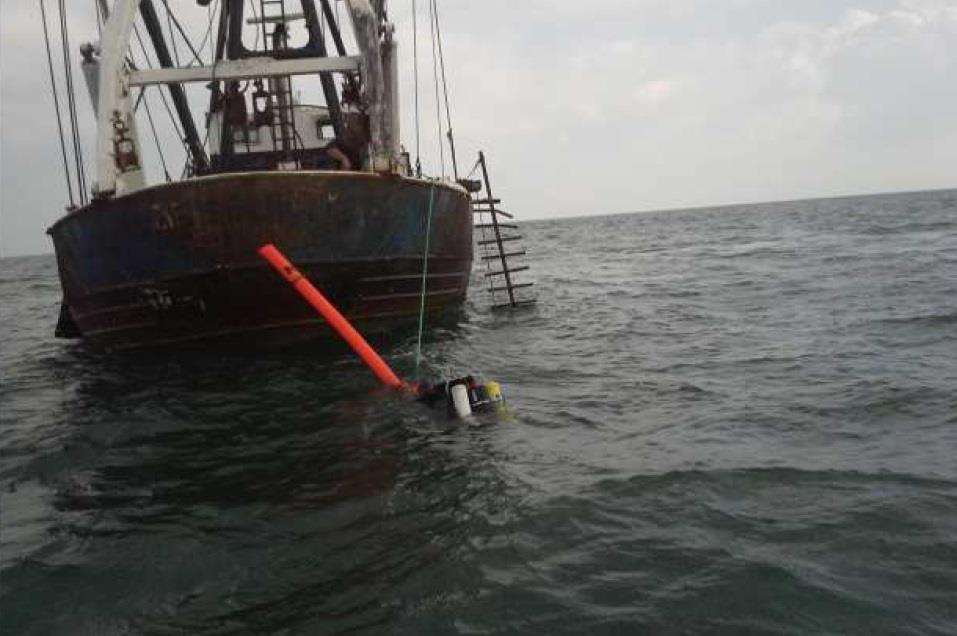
(601,106)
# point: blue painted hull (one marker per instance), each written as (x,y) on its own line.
(177,264)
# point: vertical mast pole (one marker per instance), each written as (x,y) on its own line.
(374,38)
(114,119)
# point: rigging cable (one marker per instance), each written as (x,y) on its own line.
(478,162)
(415,73)
(142,96)
(435,77)
(172,34)
(214,63)
(159,148)
(445,89)
(179,27)
(56,104)
(252,7)
(141,99)
(169,110)
(425,278)
(71,104)
(211,12)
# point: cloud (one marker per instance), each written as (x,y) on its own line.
(659,114)
(620,105)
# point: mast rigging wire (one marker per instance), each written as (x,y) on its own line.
(252,7)
(141,99)
(211,12)
(172,34)
(425,280)
(435,77)
(445,89)
(71,104)
(159,148)
(171,17)
(56,105)
(415,73)
(169,110)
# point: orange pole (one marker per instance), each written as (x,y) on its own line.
(335,319)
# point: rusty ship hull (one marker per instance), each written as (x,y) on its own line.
(176,264)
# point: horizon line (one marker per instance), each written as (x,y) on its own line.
(718,206)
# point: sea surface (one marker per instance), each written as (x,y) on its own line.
(737,420)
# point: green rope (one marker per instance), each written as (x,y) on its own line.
(425,274)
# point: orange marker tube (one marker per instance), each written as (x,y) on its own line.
(335,319)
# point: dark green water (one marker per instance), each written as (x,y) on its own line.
(722,421)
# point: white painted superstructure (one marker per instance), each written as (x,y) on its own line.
(118,155)
(313,128)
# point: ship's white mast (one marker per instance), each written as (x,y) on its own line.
(118,167)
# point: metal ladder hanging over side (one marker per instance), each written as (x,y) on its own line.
(500,249)
(283,125)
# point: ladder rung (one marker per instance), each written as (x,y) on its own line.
(504,239)
(500,256)
(495,210)
(506,288)
(486,201)
(492,225)
(289,17)
(510,271)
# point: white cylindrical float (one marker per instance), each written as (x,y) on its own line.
(460,400)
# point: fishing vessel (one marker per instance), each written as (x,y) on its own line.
(175,262)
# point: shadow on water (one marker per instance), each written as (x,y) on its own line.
(234,491)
